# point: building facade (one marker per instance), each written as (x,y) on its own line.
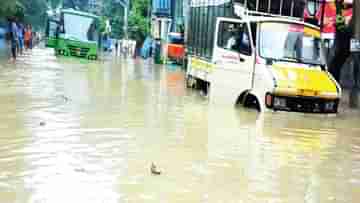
(95,6)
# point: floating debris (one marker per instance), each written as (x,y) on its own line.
(154,169)
(42,123)
(65,98)
(80,170)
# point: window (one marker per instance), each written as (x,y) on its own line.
(234,37)
(290,42)
(79,27)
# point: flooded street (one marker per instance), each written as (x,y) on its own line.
(78,131)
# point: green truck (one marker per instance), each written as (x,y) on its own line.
(73,33)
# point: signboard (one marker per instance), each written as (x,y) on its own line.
(355,45)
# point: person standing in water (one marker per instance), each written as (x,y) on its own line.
(28,37)
(116,47)
(20,34)
(12,31)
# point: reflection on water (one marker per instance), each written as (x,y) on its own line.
(3,49)
(105,122)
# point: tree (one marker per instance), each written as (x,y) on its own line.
(9,8)
(32,11)
(55,3)
(115,13)
(139,20)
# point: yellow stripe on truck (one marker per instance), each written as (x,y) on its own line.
(299,81)
(201,64)
(312,32)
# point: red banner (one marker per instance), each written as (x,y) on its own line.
(329,20)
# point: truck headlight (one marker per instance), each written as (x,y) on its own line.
(329,106)
(279,102)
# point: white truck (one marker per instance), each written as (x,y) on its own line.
(260,54)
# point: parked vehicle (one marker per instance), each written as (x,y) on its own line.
(76,34)
(176,48)
(259,55)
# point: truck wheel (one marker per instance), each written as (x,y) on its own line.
(190,82)
(251,102)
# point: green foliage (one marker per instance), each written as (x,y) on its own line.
(139,21)
(115,13)
(34,12)
(102,24)
(28,11)
(10,8)
(55,3)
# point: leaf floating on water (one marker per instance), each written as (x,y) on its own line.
(65,98)
(80,170)
(154,170)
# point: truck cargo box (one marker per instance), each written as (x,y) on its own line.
(290,8)
(203,15)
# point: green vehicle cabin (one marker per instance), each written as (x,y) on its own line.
(76,34)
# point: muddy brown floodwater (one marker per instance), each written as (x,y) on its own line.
(76,131)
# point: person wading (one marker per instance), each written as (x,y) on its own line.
(20,34)
(13,37)
(28,37)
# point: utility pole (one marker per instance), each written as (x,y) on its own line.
(355,49)
(126,13)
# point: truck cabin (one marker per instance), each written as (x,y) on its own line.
(273,39)
(78,26)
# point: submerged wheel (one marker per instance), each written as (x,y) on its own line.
(251,101)
(190,82)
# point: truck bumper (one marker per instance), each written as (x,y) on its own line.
(301,104)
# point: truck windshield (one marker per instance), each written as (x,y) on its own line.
(290,42)
(80,28)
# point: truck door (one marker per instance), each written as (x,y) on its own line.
(51,29)
(234,59)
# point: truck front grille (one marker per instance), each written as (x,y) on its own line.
(306,104)
(77,51)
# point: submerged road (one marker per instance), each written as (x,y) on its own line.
(77,131)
